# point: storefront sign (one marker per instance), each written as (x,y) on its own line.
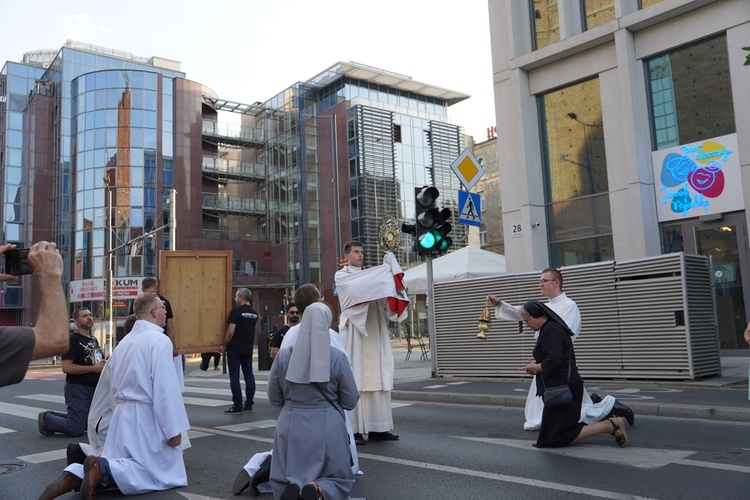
(700,178)
(95,289)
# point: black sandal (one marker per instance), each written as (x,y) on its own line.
(622,439)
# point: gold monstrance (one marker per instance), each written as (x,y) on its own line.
(484,323)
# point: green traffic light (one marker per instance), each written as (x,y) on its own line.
(446,243)
(431,240)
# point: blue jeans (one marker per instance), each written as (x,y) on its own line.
(234,362)
(78,399)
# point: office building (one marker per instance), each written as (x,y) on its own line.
(94,141)
(629,132)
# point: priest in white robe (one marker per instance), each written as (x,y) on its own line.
(368,297)
(142,448)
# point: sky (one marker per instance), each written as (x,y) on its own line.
(250,50)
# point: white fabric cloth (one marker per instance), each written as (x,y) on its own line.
(289,340)
(368,285)
(147,411)
(364,332)
(568,310)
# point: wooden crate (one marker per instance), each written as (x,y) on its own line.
(198,285)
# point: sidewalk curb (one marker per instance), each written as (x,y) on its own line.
(727,414)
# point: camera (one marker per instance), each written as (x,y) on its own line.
(17,262)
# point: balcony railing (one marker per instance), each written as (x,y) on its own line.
(225,234)
(233,204)
(235,135)
(233,168)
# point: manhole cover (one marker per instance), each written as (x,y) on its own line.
(5,468)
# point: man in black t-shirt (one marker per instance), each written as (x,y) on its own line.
(238,344)
(292,318)
(82,365)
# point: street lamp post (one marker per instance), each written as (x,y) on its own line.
(108,282)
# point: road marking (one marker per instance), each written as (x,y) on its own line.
(21,410)
(193,434)
(203,401)
(47,456)
(250,437)
(525,481)
(4,430)
(219,392)
(249,426)
(639,458)
(47,398)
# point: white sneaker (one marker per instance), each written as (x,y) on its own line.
(531,427)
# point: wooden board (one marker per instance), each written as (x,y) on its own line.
(198,285)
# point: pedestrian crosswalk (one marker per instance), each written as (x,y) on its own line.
(211,393)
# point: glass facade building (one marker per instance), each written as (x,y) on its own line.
(100,139)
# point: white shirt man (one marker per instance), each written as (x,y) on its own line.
(550,284)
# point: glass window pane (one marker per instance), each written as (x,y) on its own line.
(598,12)
(680,109)
(545,23)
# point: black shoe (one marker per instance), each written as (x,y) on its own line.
(263,475)
(241,482)
(620,410)
(233,411)
(247,409)
(382,436)
(291,492)
(595,398)
(358,439)
(40,420)
(75,454)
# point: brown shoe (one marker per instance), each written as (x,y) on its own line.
(92,476)
(59,486)
(311,491)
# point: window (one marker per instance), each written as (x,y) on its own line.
(545,23)
(690,94)
(597,12)
(575,175)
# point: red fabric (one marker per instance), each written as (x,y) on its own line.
(396,305)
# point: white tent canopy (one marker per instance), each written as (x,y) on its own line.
(468,262)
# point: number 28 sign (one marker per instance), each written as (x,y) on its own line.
(516,229)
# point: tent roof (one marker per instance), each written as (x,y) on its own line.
(467,262)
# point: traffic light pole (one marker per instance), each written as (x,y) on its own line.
(431,314)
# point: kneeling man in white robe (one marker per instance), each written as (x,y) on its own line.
(142,449)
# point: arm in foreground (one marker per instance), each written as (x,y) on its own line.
(51,330)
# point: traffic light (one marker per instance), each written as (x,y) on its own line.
(281,310)
(444,227)
(426,218)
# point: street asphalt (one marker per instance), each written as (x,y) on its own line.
(715,398)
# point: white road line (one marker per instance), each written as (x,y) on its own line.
(21,410)
(213,403)
(639,458)
(248,426)
(47,456)
(250,437)
(47,398)
(525,481)
(4,430)
(221,392)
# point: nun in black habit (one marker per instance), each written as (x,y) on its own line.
(553,354)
